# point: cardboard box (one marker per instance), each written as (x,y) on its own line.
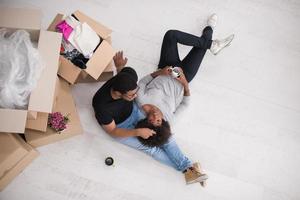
(41,98)
(15,156)
(39,123)
(66,105)
(97,64)
(11,152)
(105,76)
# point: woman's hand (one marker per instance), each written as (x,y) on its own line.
(184,82)
(166,71)
(182,78)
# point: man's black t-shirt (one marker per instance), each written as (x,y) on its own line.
(108,109)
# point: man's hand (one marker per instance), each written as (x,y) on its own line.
(123,132)
(144,132)
(119,61)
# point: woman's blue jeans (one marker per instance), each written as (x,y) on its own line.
(168,154)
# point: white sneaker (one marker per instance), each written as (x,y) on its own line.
(218,45)
(212,21)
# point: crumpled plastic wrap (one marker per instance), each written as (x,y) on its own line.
(20,69)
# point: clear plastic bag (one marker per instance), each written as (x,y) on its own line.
(20,68)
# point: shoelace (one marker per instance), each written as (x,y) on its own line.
(195,170)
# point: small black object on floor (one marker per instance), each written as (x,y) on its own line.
(109,161)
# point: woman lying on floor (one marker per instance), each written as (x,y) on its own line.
(165,91)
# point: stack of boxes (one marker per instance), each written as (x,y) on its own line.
(53,92)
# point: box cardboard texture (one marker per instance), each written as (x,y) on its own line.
(99,66)
(41,98)
(65,104)
(39,122)
(11,152)
(15,156)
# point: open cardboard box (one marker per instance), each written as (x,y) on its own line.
(41,98)
(15,156)
(97,64)
(105,76)
(65,104)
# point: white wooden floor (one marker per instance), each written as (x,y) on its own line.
(243,124)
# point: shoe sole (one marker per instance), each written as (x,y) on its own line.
(213,19)
(224,46)
(203,183)
(198,180)
(202,178)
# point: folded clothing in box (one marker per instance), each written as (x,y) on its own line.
(65,29)
(102,54)
(79,41)
(84,39)
(72,21)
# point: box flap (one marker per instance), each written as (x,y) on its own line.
(18,168)
(99,28)
(32,114)
(109,67)
(21,165)
(105,75)
(99,61)
(11,152)
(68,71)
(20,18)
(41,98)
(66,105)
(40,123)
(12,121)
(57,19)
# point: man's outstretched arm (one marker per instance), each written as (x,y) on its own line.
(114,131)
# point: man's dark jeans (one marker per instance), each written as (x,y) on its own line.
(190,64)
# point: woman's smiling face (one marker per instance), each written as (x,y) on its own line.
(155,116)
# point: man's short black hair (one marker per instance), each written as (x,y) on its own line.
(125,80)
(163,133)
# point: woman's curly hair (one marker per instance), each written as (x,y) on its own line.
(162,135)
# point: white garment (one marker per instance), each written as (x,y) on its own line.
(67,46)
(20,69)
(84,39)
(71,21)
(165,92)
